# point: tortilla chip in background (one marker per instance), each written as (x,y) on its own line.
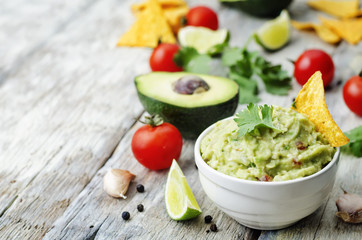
(349,29)
(173,10)
(310,102)
(322,31)
(171,3)
(174,16)
(150,27)
(342,9)
(164,4)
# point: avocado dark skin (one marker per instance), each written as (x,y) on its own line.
(260,8)
(189,126)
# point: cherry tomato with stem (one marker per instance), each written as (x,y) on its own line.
(352,94)
(162,58)
(202,16)
(311,61)
(156,144)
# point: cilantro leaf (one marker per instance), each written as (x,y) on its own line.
(276,80)
(355,142)
(254,117)
(248,88)
(246,96)
(246,64)
(230,56)
(191,61)
(217,49)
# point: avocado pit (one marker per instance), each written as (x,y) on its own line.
(190,84)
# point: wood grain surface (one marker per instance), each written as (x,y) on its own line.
(69,108)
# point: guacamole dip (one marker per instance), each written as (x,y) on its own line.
(294,151)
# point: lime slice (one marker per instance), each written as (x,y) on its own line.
(201,38)
(180,202)
(275,33)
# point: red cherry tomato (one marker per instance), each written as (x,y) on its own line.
(311,61)
(202,17)
(352,94)
(156,146)
(162,58)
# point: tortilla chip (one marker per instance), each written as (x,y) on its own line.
(137,7)
(349,29)
(174,16)
(171,3)
(310,102)
(150,27)
(322,31)
(173,10)
(343,9)
(327,34)
(303,25)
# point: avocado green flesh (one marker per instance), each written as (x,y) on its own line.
(159,86)
(189,114)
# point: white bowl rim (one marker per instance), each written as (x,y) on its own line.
(202,164)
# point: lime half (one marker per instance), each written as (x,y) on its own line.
(180,202)
(275,33)
(201,38)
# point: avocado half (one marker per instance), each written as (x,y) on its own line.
(190,113)
(260,8)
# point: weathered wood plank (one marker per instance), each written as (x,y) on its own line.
(27,25)
(63,116)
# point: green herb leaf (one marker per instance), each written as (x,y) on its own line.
(355,142)
(231,55)
(254,117)
(246,96)
(248,88)
(191,61)
(276,80)
(217,49)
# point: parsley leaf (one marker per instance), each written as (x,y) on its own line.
(191,61)
(254,117)
(355,142)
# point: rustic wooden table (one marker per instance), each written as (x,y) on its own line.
(68,110)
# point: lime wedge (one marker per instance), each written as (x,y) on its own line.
(180,202)
(275,33)
(201,38)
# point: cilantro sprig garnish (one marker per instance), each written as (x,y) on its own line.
(254,117)
(355,142)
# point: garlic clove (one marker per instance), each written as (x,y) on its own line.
(116,182)
(350,208)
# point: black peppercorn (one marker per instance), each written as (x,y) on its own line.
(140,207)
(140,188)
(125,215)
(208,219)
(213,227)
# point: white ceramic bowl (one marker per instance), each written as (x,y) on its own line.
(265,205)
